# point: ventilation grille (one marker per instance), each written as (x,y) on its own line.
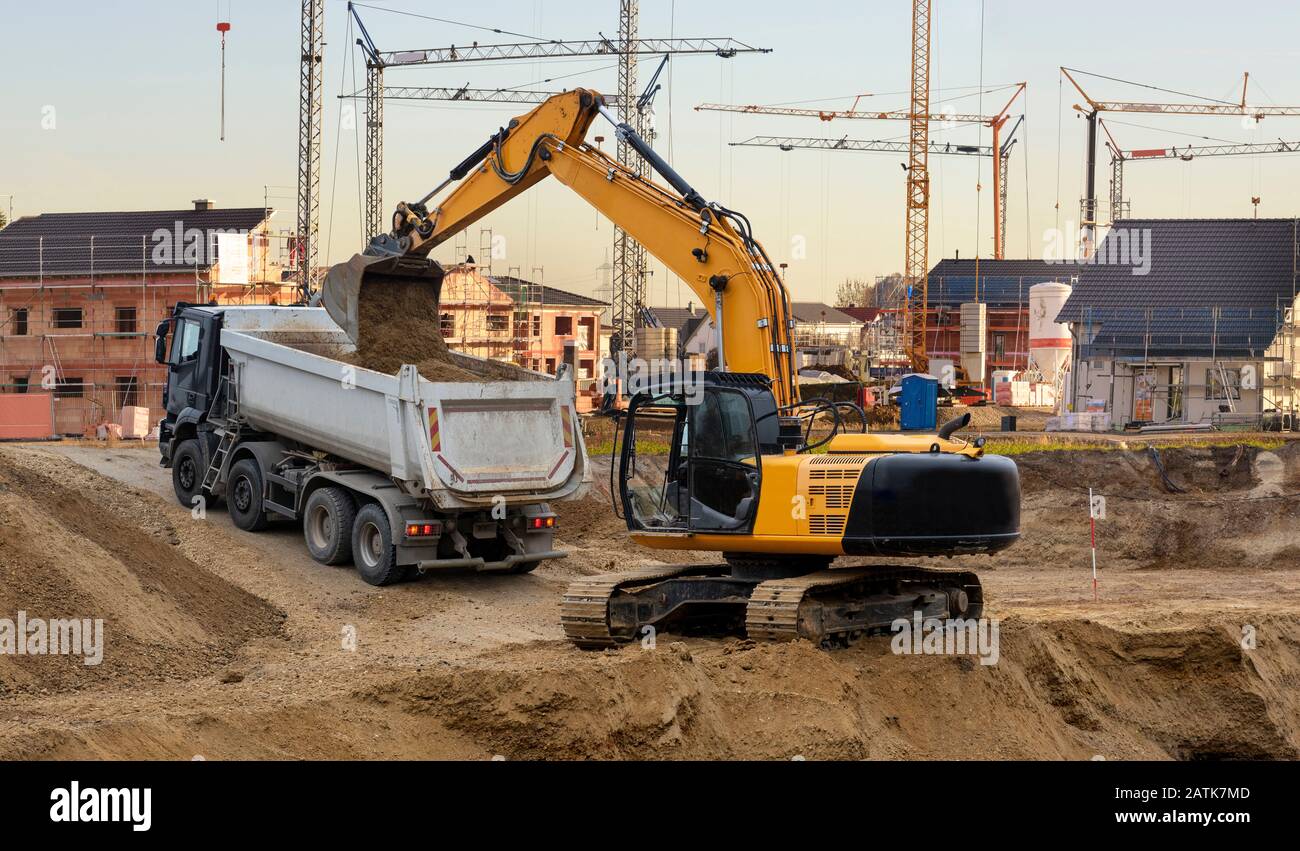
(833,496)
(829,460)
(826,524)
(834,475)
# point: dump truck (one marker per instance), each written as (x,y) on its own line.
(395,473)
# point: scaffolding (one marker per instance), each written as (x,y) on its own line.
(85,336)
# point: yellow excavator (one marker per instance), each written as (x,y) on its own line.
(745,472)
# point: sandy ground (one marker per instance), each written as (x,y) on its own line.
(226,644)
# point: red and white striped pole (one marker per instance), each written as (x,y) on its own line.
(1092,523)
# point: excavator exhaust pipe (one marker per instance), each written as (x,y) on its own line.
(341,290)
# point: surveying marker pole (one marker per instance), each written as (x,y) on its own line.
(1092,533)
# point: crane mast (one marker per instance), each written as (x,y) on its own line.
(917,235)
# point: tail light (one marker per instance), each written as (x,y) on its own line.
(423,530)
(537,524)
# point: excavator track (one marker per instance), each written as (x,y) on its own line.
(828,607)
(585,609)
(839,606)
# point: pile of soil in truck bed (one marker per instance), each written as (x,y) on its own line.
(398,323)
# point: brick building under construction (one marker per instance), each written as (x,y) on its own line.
(81,295)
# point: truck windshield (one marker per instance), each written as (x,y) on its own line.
(186,344)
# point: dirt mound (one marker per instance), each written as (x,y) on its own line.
(1232,508)
(1067,690)
(74,545)
(468,667)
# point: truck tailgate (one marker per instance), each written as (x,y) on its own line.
(501,437)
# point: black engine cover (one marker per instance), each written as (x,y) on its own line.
(934,504)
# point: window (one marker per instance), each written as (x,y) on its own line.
(1214,388)
(18,318)
(67,317)
(564,326)
(999,346)
(186,345)
(68,388)
(724,428)
(447,325)
(550,366)
(124,391)
(20,383)
(537,325)
(585,368)
(125,320)
(498,322)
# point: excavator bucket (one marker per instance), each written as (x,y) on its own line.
(341,290)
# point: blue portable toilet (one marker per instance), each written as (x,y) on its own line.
(918,402)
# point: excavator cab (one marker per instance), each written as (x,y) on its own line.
(709,477)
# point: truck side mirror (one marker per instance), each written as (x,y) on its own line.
(160,341)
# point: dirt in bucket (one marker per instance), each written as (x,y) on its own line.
(398,323)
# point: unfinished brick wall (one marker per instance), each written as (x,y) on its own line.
(92,344)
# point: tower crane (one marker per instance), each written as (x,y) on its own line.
(918,116)
(1208,106)
(1119,156)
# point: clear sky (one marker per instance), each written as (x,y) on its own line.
(132,88)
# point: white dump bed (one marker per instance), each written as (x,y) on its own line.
(463,442)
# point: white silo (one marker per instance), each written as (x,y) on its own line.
(1049,340)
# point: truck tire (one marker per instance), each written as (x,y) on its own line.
(244,496)
(187,472)
(327,525)
(372,547)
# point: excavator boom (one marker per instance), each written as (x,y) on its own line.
(708,246)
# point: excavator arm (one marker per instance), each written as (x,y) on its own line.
(708,246)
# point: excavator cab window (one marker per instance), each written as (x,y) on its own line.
(707,480)
(724,470)
(654,490)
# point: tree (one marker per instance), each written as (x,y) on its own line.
(853,292)
(4,220)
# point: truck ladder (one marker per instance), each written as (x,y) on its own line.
(228,426)
(218,465)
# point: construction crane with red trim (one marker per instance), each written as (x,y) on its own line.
(1119,208)
(1208,106)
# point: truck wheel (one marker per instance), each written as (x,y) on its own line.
(372,547)
(327,525)
(244,496)
(187,472)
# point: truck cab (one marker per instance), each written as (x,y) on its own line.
(188,343)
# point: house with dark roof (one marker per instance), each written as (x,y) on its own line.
(1186,320)
(81,294)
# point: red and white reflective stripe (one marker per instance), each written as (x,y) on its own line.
(1049,342)
(567,419)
